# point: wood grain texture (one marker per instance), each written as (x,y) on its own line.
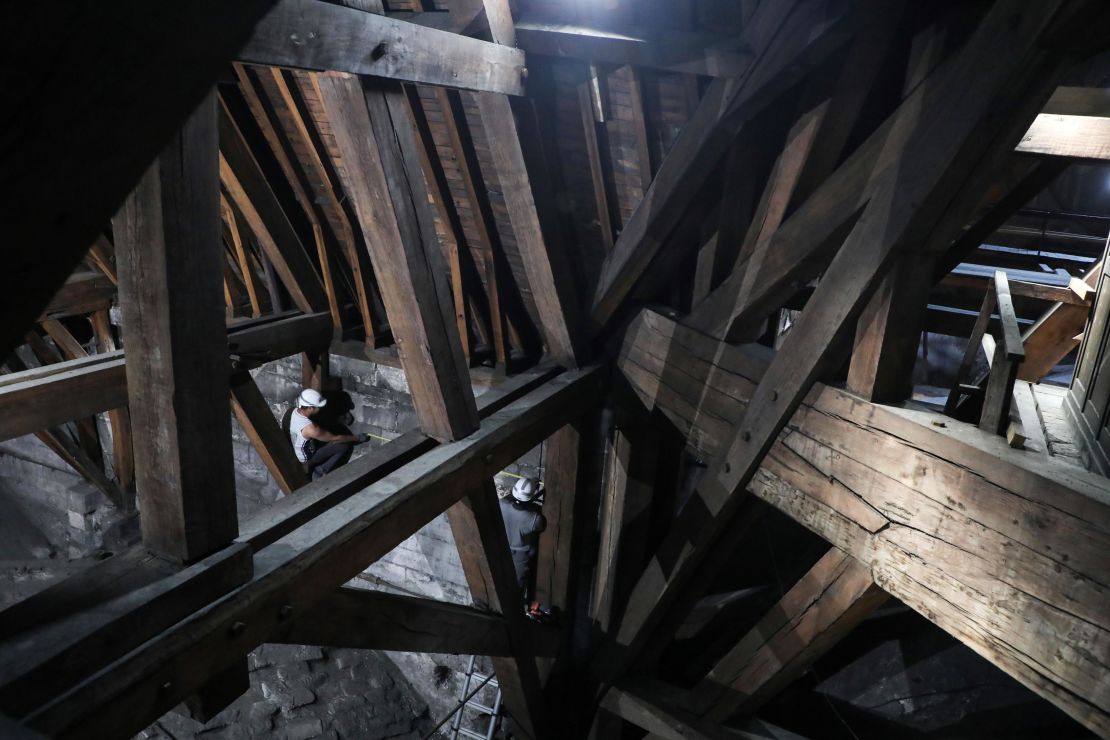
(403,247)
(314,35)
(169,253)
(924,505)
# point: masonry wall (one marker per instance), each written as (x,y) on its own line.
(58,523)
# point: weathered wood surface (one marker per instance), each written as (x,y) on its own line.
(310,34)
(827,603)
(404,250)
(374,620)
(81,293)
(1054,334)
(136,72)
(76,627)
(47,396)
(785,39)
(939,513)
(308,563)
(169,255)
(530,202)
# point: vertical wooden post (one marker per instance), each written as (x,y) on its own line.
(888,332)
(120,419)
(169,253)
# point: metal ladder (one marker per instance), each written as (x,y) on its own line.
(466,699)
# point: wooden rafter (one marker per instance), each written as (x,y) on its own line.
(784,44)
(850,471)
(319,36)
(400,234)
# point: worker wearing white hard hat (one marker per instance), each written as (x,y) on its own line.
(319,450)
(524,521)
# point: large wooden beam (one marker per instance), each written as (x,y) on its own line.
(122,111)
(75,627)
(169,254)
(827,603)
(786,39)
(82,293)
(374,620)
(387,194)
(248,188)
(315,35)
(307,564)
(983,540)
(54,394)
(911,193)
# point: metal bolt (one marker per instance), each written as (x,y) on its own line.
(166,686)
(379,51)
(238,628)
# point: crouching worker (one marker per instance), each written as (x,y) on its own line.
(524,521)
(319,450)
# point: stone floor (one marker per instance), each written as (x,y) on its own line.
(300,692)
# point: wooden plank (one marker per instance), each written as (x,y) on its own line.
(169,255)
(892,219)
(406,256)
(67,205)
(48,396)
(698,53)
(324,190)
(448,224)
(1053,336)
(1075,137)
(246,185)
(1011,336)
(81,293)
(971,351)
(84,623)
(374,620)
(827,603)
(529,201)
(628,487)
(264,433)
(1021,288)
(852,472)
(784,44)
(888,332)
(119,419)
(999,392)
(1032,426)
(252,344)
(309,34)
(462,146)
(307,564)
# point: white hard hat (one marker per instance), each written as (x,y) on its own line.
(311,397)
(525,489)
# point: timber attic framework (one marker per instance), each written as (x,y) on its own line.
(720,227)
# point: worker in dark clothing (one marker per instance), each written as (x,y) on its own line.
(524,521)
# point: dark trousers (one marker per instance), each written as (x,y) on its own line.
(324,458)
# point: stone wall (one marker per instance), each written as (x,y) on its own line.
(54,517)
